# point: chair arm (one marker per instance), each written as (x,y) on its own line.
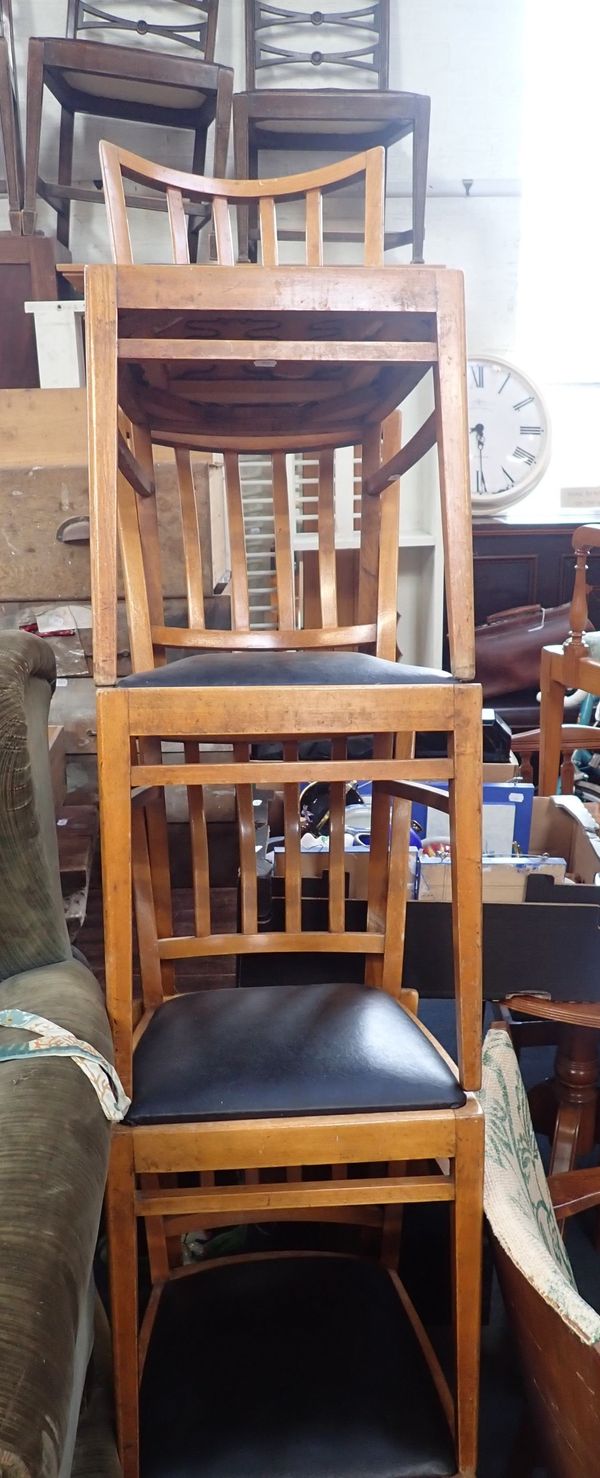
(572,736)
(575,1191)
(54,1144)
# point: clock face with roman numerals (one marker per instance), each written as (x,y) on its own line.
(509,434)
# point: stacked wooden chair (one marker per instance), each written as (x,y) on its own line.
(295,1101)
(301,65)
(113,64)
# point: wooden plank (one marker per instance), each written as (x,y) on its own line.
(271,772)
(380,351)
(320,1140)
(36,499)
(385,1190)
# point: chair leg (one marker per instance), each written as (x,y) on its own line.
(419,176)
(465,793)
(122,1250)
(35,94)
(65,173)
(467,1272)
(551,721)
(452,442)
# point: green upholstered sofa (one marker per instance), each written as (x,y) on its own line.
(55,1405)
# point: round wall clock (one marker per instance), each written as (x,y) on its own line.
(509,434)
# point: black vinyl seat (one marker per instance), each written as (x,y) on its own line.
(261,669)
(264,1053)
(289,1367)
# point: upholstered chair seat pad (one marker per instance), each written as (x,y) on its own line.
(135,90)
(291,1367)
(264,1052)
(282,669)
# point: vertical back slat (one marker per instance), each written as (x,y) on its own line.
(268,232)
(223,234)
(192,548)
(145,916)
(116,208)
(326,539)
(240,601)
(247,845)
(337,856)
(178,226)
(314,228)
(374,207)
(395,923)
(389,523)
(377,893)
(291,829)
(134,578)
(370,511)
(148,522)
(199,845)
(284,563)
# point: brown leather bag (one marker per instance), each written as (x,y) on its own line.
(509,644)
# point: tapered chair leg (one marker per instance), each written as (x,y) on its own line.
(551,719)
(467,1269)
(122,1246)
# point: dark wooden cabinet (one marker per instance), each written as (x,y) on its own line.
(522,564)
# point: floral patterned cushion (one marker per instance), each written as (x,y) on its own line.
(517,1200)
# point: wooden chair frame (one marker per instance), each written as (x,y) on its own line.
(50,62)
(269,117)
(454,1136)
(569,666)
(10,127)
(330,385)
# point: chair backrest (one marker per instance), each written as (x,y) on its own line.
(300,925)
(218,195)
(193,22)
(341,44)
(557,1332)
(278,599)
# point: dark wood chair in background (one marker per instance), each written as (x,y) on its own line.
(10,129)
(348,47)
(141,83)
(556,1331)
(569,666)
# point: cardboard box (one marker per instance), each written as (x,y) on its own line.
(497,770)
(507,812)
(563,826)
(504,878)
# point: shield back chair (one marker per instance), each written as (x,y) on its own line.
(256,394)
(556,1331)
(165,74)
(318,80)
(10,127)
(242,1093)
(569,666)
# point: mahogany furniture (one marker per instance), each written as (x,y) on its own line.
(568,667)
(142,83)
(519,561)
(10,128)
(556,1331)
(339,1075)
(27,272)
(347,49)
